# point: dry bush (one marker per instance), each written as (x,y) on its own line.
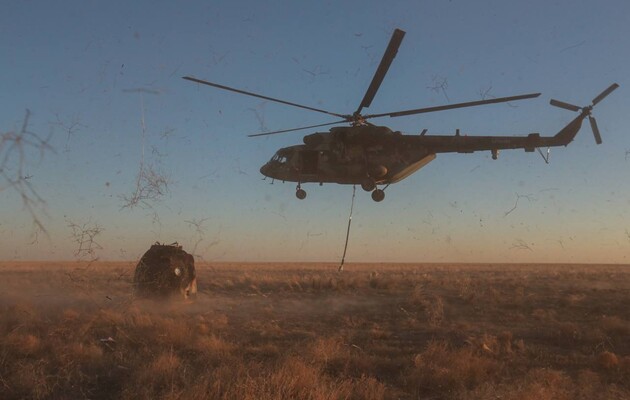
(31,379)
(162,377)
(614,325)
(163,367)
(19,315)
(172,332)
(267,352)
(574,299)
(320,283)
(418,294)
(219,321)
(446,371)
(84,353)
(70,315)
(379,281)
(291,379)
(110,316)
(465,288)
(266,331)
(378,332)
(213,347)
(491,295)
(337,357)
(500,345)
(567,331)
(505,340)
(23,344)
(545,315)
(368,388)
(326,350)
(537,385)
(431,305)
(138,319)
(296,379)
(607,360)
(589,384)
(594,336)
(434,309)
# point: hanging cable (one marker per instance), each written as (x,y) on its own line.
(345,247)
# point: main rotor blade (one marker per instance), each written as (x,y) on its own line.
(456,105)
(605,93)
(192,79)
(564,105)
(381,71)
(598,137)
(297,129)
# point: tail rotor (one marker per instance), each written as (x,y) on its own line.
(564,105)
(586,111)
(595,129)
(605,93)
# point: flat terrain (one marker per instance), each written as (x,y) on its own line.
(304,331)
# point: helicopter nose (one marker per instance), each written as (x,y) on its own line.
(265,169)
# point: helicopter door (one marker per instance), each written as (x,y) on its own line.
(309,161)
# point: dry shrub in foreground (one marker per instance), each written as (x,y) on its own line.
(24,344)
(547,384)
(164,376)
(441,370)
(615,325)
(287,332)
(432,305)
(296,379)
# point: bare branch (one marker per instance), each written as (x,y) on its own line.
(520,244)
(151,185)
(317,71)
(572,46)
(84,236)
(70,128)
(484,93)
(439,84)
(199,231)
(14,149)
(529,197)
(259,111)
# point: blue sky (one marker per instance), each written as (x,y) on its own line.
(94,73)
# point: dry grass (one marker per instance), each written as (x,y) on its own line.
(303,331)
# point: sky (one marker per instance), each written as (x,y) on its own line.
(102,85)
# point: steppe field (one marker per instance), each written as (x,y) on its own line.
(305,331)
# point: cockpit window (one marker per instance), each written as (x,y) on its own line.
(279,158)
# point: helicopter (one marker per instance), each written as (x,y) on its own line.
(375,156)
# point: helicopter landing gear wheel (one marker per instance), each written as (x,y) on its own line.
(378,195)
(300,193)
(368,185)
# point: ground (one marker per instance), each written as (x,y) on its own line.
(305,331)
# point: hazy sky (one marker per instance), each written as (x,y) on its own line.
(95,75)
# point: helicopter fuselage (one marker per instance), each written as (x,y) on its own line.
(375,155)
(349,155)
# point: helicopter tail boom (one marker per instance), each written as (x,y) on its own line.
(567,133)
